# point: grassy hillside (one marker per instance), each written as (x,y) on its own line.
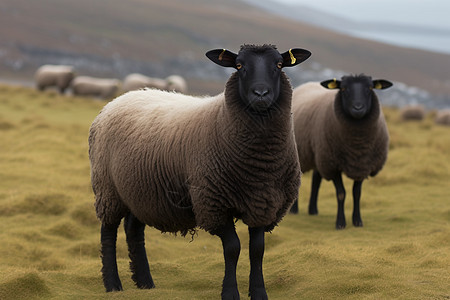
(160,37)
(50,237)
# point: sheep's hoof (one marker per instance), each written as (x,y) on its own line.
(340,226)
(112,283)
(230,294)
(357,223)
(148,285)
(313,211)
(258,294)
(114,288)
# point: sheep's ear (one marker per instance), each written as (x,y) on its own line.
(222,57)
(294,57)
(381,84)
(331,84)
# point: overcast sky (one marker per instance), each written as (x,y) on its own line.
(433,13)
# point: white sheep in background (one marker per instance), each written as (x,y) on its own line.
(59,76)
(104,88)
(136,81)
(412,113)
(443,117)
(176,83)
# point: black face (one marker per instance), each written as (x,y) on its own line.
(356,95)
(259,71)
(259,78)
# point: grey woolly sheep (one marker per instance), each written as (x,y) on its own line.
(339,131)
(412,113)
(59,76)
(176,83)
(104,88)
(177,162)
(443,117)
(136,81)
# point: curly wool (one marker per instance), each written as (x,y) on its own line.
(177,162)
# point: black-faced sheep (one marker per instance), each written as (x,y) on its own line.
(59,76)
(443,117)
(177,162)
(104,88)
(412,113)
(340,130)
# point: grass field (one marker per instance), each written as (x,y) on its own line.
(49,235)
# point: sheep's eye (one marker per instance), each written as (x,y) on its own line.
(279,65)
(238,66)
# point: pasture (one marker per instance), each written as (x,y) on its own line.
(50,239)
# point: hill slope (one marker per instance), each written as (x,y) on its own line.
(159,37)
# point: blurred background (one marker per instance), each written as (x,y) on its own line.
(405,41)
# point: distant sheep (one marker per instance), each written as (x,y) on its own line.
(176,162)
(176,83)
(59,76)
(443,117)
(136,81)
(412,113)
(340,131)
(104,88)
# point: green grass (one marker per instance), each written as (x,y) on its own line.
(49,234)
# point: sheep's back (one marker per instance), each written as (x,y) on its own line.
(138,140)
(311,104)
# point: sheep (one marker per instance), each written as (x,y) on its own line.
(443,117)
(340,131)
(179,163)
(412,113)
(137,81)
(59,76)
(176,83)
(103,88)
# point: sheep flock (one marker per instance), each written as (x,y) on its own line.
(180,163)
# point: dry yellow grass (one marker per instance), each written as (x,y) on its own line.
(49,235)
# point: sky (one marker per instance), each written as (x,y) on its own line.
(432,13)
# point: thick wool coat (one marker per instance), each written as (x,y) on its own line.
(330,141)
(178,162)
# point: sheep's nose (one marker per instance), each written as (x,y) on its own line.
(261,92)
(358,106)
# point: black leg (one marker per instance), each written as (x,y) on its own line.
(134,230)
(231,249)
(356,198)
(316,179)
(294,207)
(257,289)
(109,270)
(340,194)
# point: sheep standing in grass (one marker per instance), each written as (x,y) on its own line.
(59,76)
(137,81)
(104,88)
(177,162)
(443,117)
(340,130)
(412,113)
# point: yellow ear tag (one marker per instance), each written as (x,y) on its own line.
(333,84)
(293,59)
(378,86)
(221,54)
